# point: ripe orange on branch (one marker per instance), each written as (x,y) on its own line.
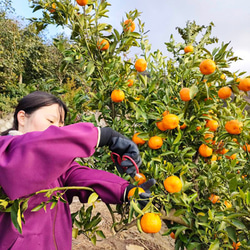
(103,44)
(244,84)
(207,67)
(205,150)
(214,198)
(137,140)
(212,125)
(160,125)
(246,147)
(224,92)
(53,8)
(140,65)
(117,95)
(82,2)
(236,245)
(185,94)
(188,49)
(170,121)
(150,223)
(141,178)
(155,142)
(130,82)
(233,127)
(173,184)
(133,190)
(129,25)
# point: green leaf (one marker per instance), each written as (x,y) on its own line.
(92,198)
(215,245)
(16,215)
(136,207)
(178,137)
(93,240)
(247,198)
(193,246)
(233,184)
(231,231)
(74,232)
(143,79)
(238,224)
(90,68)
(37,208)
(193,91)
(100,234)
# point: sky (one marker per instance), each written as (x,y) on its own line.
(161,17)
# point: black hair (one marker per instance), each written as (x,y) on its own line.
(35,100)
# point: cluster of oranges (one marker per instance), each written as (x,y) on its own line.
(140,65)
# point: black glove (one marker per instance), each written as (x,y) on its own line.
(122,146)
(144,197)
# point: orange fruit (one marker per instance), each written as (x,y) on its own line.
(183,126)
(173,184)
(222,151)
(244,84)
(198,128)
(208,137)
(233,127)
(214,198)
(246,147)
(170,121)
(53,8)
(150,223)
(133,190)
(205,151)
(160,125)
(130,82)
(166,112)
(103,44)
(223,77)
(141,178)
(82,2)
(117,95)
(137,140)
(212,125)
(129,25)
(231,157)
(224,92)
(213,158)
(188,49)
(140,65)
(227,204)
(185,94)
(207,67)
(155,142)
(236,245)
(172,235)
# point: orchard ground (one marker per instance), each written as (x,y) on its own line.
(129,239)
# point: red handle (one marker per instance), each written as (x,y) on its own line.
(119,160)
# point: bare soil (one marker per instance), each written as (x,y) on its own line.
(130,239)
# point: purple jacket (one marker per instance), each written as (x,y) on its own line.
(43,160)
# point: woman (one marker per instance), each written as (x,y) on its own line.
(38,153)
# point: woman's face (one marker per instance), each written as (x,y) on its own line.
(41,119)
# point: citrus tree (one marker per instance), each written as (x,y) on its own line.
(188,112)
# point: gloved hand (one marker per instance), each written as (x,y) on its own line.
(122,146)
(144,197)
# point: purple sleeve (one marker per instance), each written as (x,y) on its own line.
(108,186)
(32,161)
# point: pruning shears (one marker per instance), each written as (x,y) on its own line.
(124,157)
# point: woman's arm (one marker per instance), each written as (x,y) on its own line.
(32,161)
(108,186)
